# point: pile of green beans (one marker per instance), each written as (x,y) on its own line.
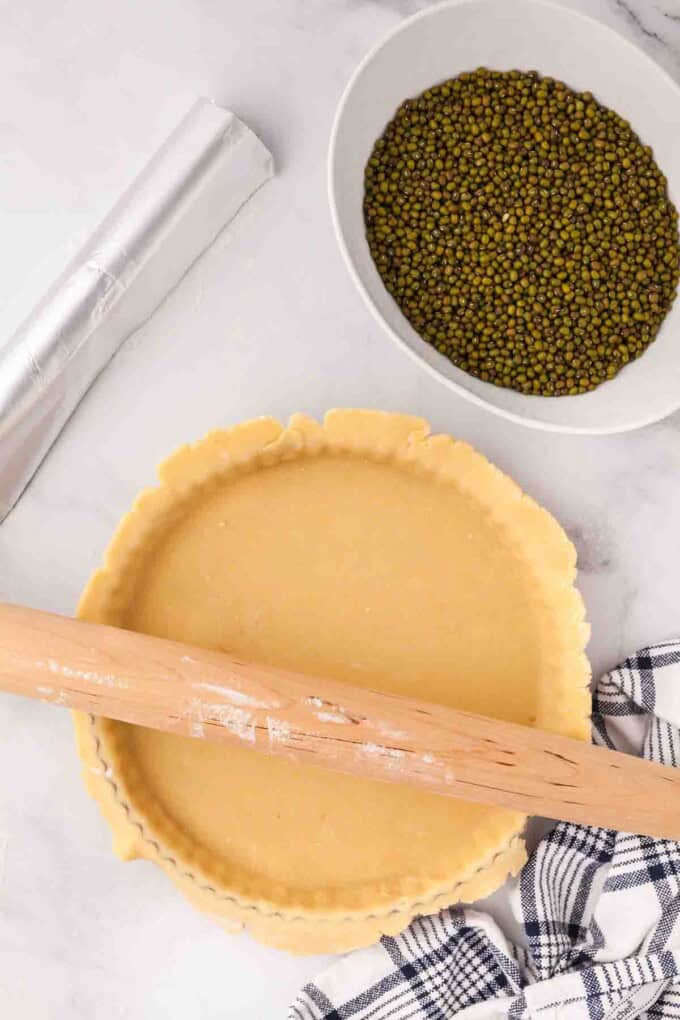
(523,229)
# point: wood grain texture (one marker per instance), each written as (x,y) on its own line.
(207,695)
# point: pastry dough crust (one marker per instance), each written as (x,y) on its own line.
(362,548)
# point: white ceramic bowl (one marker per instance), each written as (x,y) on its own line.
(461,35)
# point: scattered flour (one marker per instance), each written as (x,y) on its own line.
(52,697)
(278,730)
(387,731)
(234,696)
(379,751)
(332,717)
(390,756)
(238,721)
(329,712)
(90,676)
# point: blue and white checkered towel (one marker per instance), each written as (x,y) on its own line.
(600,910)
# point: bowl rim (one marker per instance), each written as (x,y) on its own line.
(545,426)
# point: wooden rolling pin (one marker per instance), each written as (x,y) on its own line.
(208,695)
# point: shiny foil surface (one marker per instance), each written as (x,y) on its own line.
(190,189)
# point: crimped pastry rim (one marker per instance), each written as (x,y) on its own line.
(383,436)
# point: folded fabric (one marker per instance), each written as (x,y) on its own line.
(599,909)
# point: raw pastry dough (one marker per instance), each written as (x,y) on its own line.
(366,550)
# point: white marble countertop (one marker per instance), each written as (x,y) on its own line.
(267,323)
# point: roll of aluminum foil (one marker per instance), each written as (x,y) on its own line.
(196,182)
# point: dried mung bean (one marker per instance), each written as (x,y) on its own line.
(524,230)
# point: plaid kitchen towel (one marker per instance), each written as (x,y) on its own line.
(599,910)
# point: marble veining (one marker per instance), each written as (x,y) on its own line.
(655,23)
(639,21)
(595,548)
(266,323)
